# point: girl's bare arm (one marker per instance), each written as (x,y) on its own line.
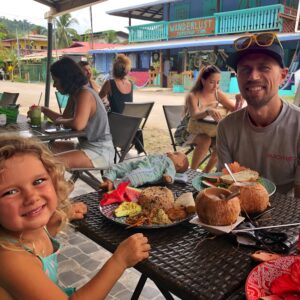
(22,276)
(226,101)
(86,106)
(193,107)
(130,252)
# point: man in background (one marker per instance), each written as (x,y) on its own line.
(89,74)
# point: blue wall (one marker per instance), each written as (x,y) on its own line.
(103,62)
(199,8)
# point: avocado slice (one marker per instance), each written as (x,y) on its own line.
(127,209)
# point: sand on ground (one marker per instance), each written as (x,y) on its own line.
(30,94)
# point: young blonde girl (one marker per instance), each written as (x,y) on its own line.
(33,191)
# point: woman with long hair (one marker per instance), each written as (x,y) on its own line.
(84,111)
(205,99)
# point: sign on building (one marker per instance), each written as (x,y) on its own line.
(192,27)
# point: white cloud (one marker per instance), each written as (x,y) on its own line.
(33,12)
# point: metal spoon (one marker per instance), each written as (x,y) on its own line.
(230,173)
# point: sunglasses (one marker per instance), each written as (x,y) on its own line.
(264,39)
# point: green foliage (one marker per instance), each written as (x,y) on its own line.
(110,37)
(37,29)
(4,53)
(23,27)
(19,79)
(3,31)
(64,33)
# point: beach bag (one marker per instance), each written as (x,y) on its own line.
(181,134)
(203,126)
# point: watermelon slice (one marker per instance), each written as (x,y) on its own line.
(122,193)
(132,194)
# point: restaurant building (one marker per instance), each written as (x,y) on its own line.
(183,35)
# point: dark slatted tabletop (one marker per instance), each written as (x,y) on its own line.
(185,259)
(24,129)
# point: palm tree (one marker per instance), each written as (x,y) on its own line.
(64,33)
(3,31)
(110,37)
(39,30)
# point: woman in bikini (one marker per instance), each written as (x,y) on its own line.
(205,99)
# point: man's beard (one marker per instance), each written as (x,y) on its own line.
(256,101)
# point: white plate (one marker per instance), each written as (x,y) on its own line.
(29,133)
(59,129)
(209,119)
(217,230)
(108,212)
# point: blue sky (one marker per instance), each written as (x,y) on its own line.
(34,13)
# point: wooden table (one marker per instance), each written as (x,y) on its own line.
(185,259)
(24,129)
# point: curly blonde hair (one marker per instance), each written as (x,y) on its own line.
(121,66)
(11,145)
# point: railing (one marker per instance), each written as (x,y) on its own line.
(273,17)
(263,18)
(149,32)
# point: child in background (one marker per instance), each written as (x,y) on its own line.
(149,170)
(32,190)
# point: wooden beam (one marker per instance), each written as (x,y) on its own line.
(161,71)
(67,6)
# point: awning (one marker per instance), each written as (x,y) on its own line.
(151,11)
(60,7)
(204,42)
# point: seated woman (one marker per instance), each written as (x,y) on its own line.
(204,100)
(120,90)
(84,111)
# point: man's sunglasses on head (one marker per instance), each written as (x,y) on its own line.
(264,39)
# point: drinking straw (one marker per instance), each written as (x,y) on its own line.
(230,173)
(40,99)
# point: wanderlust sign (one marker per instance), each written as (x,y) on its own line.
(191,27)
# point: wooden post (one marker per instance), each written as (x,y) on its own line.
(161,69)
(184,59)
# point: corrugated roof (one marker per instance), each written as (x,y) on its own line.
(79,48)
(150,11)
(60,7)
(205,42)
